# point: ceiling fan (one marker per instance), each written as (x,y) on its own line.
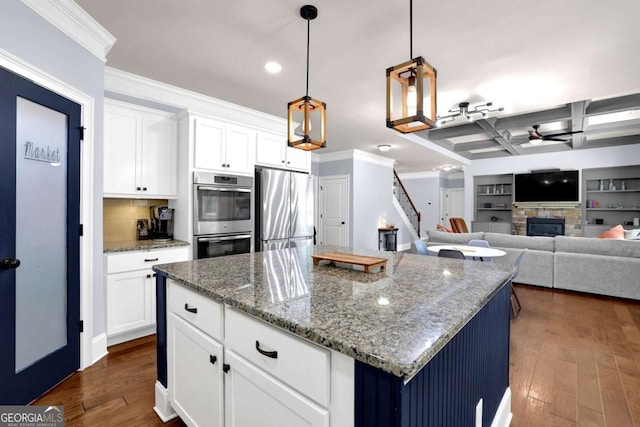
(536,137)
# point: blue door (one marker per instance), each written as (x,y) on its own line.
(39,239)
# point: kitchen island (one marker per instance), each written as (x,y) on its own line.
(423,342)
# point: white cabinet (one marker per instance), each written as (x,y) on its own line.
(253,398)
(140,152)
(272,150)
(228,368)
(223,147)
(195,373)
(131,291)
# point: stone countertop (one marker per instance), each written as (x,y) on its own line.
(141,245)
(395,320)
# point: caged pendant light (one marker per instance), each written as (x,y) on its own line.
(414,85)
(306,105)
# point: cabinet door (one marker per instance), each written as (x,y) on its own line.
(209,144)
(122,132)
(194,374)
(298,159)
(239,149)
(502,227)
(130,301)
(270,150)
(159,162)
(255,399)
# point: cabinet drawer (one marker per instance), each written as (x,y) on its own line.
(302,365)
(200,311)
(129,261)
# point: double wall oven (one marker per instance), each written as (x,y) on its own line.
(222,222)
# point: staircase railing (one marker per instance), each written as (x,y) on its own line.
(406,203)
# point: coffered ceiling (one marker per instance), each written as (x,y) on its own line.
(560,64)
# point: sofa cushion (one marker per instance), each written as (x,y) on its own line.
(439,237)
(616,232)
(596,246)
(540,243)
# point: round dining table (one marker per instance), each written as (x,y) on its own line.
(470,251)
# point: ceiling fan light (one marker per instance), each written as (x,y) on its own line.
(535,141)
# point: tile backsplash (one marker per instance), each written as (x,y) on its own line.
(120,217)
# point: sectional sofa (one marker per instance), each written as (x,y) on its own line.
(598,266)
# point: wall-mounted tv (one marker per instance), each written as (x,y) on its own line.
(551,186)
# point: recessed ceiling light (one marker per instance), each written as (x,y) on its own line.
(384,147)
(447,168)
(273,67)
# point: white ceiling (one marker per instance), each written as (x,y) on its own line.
(521,54)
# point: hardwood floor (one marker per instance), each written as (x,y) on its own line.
(116,391)
(575,361)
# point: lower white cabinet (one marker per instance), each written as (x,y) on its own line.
(491,227)
(253,374)
(131,301)
(254,398)
(130,291)
(195,373)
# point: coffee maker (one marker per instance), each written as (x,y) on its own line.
(161,223)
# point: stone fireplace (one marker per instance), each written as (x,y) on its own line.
(572,219)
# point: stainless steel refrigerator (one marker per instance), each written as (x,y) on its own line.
(284,209)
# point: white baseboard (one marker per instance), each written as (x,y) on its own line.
(404,246)
(503,414)
(98,347)
(130,335)
(163,405)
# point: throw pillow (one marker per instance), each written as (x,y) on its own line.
(443,228)
(616,232)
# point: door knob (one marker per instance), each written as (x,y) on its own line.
(342,222)
(8,263)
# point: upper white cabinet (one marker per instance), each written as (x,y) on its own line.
(223,147)
(272,150)
(140,152)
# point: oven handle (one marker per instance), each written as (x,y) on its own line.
(221,239)
(237,190)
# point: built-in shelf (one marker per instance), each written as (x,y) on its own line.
(614,209)
(492,193)
(593,196)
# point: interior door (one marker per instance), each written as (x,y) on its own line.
(334,210)
(452,205)
(39,248)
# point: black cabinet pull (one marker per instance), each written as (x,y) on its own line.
(190,310)
(149,276)
(271,354)
(213,359)
(144,188)
(150,259)
(226,367)
(138,188)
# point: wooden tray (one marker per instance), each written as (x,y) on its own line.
(368,262)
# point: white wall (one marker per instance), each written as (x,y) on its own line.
(424,190)
(624,155)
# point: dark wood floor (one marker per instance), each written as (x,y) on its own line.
(575,361)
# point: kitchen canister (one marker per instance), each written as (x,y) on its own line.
(636,222)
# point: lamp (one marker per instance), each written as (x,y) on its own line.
(463,110)
(414,83)
(306,105)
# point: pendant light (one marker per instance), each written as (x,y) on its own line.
(306,105)
(414,83)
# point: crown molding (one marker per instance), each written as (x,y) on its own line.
(419,175)
(352,154)
(143,88)
(72,20)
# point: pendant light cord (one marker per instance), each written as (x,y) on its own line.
(410,29)
(308,37)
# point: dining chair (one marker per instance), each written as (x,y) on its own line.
(419,247)
(451,253)
(515,302)
(458,225)
(480,244)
